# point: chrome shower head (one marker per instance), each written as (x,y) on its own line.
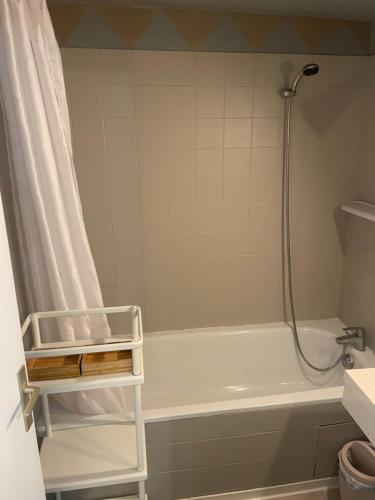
(307,70)
(310,69)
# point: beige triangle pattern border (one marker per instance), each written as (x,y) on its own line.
(362,31)
(196,25)
(314,30)
(129,24)
(65,19)
(256,28)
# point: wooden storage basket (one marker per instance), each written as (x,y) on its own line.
(100,363)
(54,367)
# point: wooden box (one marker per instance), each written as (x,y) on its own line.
(100,363)
(54,367)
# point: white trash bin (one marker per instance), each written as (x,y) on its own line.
(357,471)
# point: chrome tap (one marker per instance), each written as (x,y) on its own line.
(355,336)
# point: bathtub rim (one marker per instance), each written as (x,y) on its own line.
(333,326)
(269,402)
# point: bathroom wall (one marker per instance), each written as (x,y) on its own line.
(178,156)
(358,291)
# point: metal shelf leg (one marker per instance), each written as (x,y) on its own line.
(58,495)
(141,490)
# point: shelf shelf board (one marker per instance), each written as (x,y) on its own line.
(62,418)
(361,209)
(89,457)
(88,382)
(132,497)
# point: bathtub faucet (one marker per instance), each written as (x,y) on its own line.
(355,336)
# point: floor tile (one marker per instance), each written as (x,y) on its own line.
(316,495)
(333,494)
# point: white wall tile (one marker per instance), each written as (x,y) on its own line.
(209,163)
(209,102)
(209,191)
(148,67)
(123,178)
(238,102)
(150,133)
(266,161)
(237,162)
(267,102)
(269,69)
(88,131)
(239,69)
(208,218)
(236,190)
(266,132)
(180,133)
(209,68)
(116,67)
(119,133)
(181,176)
(82,65)
(149,101)
(118,100)
(85,99)
(209,132)
(235,218)
(152,168)
(179,68)
(237,133)
(180,101)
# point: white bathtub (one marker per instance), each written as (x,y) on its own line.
(216,370)
(209,371)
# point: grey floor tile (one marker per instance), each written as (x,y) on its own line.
(332,494)
(316,495)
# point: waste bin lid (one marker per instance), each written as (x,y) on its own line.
(357,460)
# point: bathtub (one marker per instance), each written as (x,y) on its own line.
(227,369)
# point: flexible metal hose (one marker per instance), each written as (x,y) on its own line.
(286,228)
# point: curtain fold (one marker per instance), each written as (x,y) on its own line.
(59,267)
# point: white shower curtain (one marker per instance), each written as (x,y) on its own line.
(59,268)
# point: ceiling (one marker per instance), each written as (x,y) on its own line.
(344,9)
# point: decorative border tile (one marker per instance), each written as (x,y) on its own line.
(116,26)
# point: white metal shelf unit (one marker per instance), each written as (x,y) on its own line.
(68,460)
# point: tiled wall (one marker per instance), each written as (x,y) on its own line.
(179,166)
(358,288)
(240,451)
(120,27)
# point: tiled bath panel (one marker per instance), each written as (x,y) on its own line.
(239,451)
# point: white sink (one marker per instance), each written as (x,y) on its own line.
(359,399)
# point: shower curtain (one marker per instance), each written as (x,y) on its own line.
(59,270)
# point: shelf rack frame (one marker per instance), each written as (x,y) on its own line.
(135,379)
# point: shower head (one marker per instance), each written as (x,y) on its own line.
(310,69)
(307,70)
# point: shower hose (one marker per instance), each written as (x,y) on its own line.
(287,247)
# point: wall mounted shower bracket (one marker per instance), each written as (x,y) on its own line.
(361,209)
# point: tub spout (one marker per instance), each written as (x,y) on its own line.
(355,336)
